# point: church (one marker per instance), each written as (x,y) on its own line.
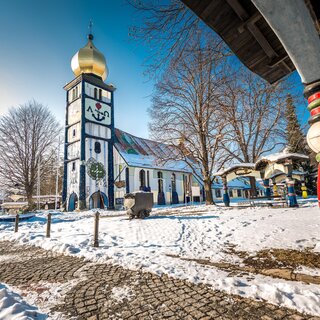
(102,163)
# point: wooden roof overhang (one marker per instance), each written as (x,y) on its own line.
(246,32)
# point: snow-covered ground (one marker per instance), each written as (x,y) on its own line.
(14,307)
(197,232)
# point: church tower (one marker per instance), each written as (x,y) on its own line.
(89,133)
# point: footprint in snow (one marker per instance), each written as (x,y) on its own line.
(301,240)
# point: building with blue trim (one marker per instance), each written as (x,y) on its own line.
(102,163)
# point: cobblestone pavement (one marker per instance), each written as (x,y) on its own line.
(104,291)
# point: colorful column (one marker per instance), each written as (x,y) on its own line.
(226,198)
(266,184)
(304,192)
(312,93)
(275,188)
(82,179)
(292,198)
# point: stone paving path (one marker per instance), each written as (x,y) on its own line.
(104,291)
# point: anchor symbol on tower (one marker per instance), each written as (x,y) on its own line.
(97,114)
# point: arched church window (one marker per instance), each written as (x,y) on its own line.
(100,94)
(160,182)
(173,183)
(77,92)
(97,147)
(142,178)
(73,94)
(73,166)
(95,93)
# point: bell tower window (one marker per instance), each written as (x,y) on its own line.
(97,147)
(95,93)
(100,94)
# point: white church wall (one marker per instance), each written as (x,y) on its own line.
(131,179)
(179,185)
(98,131)
(92,185)
(73,151)
(74,112)
(74,132)
(73,177)
(119,175)
(134,180)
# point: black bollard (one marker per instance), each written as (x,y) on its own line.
(48,225)
(16,225)
(96,230)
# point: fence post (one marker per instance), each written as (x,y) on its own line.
(48,225)
(96,230)
(16,225)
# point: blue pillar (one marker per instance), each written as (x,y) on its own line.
(82,180)
(226,198)
(65,158)
(127,180)
(110,159)
(292,198)
(266,184)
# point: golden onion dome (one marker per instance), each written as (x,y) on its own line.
(89,60)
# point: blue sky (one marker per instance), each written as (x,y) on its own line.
(39,37)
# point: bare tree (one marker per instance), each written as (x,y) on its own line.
(185,113)
(28,134)
(254,113)
(168,27)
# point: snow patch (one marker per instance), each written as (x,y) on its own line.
(121,293)
(195,232)
(14,307)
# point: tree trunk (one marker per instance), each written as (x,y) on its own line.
(29,192)
(208,192)
(253,190)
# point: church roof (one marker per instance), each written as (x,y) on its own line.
(237,183)
(145,153)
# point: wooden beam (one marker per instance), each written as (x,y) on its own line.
(208,10)
(265,45)
(238,9)
(253,19)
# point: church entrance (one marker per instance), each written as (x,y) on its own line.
(73,201)
(98,200)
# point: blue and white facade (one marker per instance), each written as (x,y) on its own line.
(102,163)
(89,135)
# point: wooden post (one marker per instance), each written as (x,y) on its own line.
(96,230)
(48,225)
(16,225)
